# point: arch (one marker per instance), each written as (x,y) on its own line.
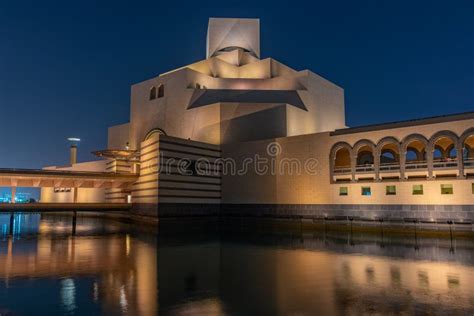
(411,138)
(466,140)
(413,148)
(444,141)
(388,140)
(361,143)
(448,134)
(364,150)
(336,147)
(465,135)
(340,155)
(154,132)
(152,95)
(388,145)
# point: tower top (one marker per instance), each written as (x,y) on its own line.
(225,34)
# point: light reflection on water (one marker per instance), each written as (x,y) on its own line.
(108,267)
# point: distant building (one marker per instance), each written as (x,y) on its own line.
(234,105)
(21,197)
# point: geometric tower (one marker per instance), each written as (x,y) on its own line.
(225,34)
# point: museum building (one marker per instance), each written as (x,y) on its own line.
(235,106)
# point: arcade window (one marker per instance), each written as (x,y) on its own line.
(446,189)
(366,191)
(391,190)
(343,191)
(417,189)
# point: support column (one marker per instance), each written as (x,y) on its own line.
(13,194)
(376,154)
(460,160)
(402,160)
(353,167)
(429,160)
(332,164)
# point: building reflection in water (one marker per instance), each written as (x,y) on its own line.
(112,268)
(104,269)
(281,275)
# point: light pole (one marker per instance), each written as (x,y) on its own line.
(74,141)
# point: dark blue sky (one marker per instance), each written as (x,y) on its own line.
(66,67)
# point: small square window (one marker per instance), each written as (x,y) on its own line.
(366,191)
(417,189)
(343,191)
(446,189)
(391,190)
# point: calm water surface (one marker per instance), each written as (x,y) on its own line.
(112,268)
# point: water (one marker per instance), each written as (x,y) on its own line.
(112,268)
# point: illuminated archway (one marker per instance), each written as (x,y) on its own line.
(443,146)
(467,142)
(414,148)
(364,150)
(389,150)
(340,156)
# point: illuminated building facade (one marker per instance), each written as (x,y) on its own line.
(234,105)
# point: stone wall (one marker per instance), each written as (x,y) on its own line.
(362,212)
(434,214)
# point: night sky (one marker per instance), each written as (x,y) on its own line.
(66,67)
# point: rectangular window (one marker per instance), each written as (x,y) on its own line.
(391,190)
(343,191)
(446,189)
(472,188)
(366,191)
(417,189)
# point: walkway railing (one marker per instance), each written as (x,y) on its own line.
(342,170)
(445,164)
(410,166)
(365,168)
(389,167)
(469,163)
(416,165)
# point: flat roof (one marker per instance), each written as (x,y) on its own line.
(5,172)
(407,123)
